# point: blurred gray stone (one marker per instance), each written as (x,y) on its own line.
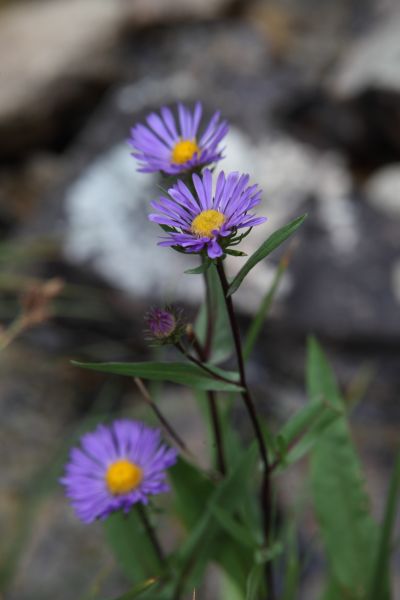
(49,569)
(372,60)
(57,57)
(54,55)
(383,190)
(349,296)
(141,13)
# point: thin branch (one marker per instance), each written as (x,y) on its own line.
(165,424)
(212,400)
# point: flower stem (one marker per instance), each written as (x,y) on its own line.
(212,401)
(216,425)
(215,420)
(165,424)
(266,491)
(210,317)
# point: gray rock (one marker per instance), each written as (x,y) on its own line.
(383,190)
(55,74)
(373,59)
(153,12)
(51,66)
(348,296)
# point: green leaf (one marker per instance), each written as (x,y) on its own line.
(132,548)
(254,582)
(262,313)
(228,589)
(380,577)
(292,566)
(175,372)
(341,503)
(139,591)
(192,490)
(275,240)
(301,432)
(233,527)
(204,508)
(334,591)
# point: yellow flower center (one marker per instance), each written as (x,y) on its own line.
(123,476)
(183,151)
(207,221)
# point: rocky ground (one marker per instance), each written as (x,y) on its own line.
(313,97)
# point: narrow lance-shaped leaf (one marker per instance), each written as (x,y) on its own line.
(254,582)
(380,578)
(206,540)
(134,552)
(275,240)
(302,431)
(341,503)
(292,566)
(175,372)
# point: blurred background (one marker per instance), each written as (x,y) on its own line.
(312,90)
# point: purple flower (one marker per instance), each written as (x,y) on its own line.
(207,220)
(164,146)
(115,467)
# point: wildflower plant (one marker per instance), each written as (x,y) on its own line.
(228,511)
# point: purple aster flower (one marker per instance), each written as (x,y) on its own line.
(206,219)
(115,467)
(163,145)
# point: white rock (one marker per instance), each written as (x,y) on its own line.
(373,59)
(148,12)
(396,280)
(108,227)
(48,39)
(383,190)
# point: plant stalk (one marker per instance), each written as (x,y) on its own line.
(165,424)
(266,490)
(212,401)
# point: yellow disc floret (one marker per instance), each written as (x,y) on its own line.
(183,151)
(123,476)
(208,221)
